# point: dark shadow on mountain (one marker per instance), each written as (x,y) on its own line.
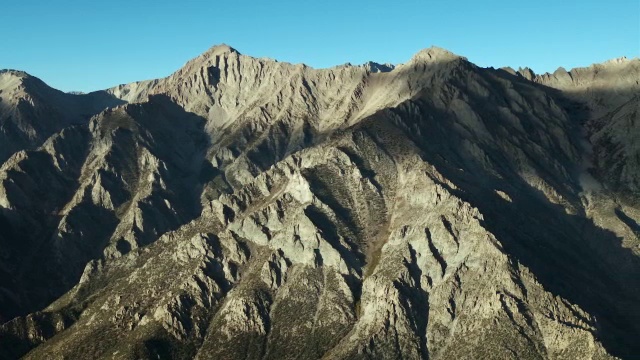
(568,253)
(632,224)
(173,135)
(331,234)
(14,339)
(588,123)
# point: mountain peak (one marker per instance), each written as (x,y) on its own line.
(220,49)
(209,56)
(435,53)
(619,60)
(375,67)
(16,73)
(12,79)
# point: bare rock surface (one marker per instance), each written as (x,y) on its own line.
(245,208)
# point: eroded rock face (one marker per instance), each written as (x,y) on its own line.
(244,208)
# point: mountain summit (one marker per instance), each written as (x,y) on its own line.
(244,208)
(435,53)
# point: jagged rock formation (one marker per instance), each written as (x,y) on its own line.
(245,208)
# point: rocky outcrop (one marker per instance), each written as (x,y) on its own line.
(252,209)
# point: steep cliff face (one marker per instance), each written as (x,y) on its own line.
(246,208)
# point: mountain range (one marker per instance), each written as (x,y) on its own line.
(245,208)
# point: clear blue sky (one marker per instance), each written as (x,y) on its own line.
(93,44)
